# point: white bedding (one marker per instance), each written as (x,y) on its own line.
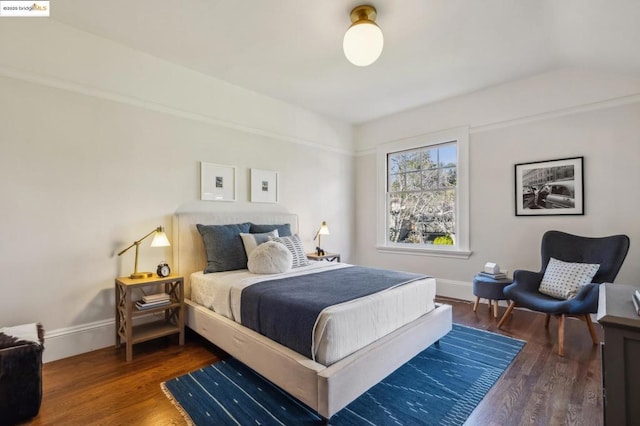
(341,329)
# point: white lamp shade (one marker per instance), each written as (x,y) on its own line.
(363,43)
(324,229)
(160,240)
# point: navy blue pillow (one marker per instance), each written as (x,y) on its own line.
(225,251)
(283,230)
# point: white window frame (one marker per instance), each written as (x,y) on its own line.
(460,135)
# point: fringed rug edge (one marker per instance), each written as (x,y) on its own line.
(176,404)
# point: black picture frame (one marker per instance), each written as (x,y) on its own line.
(550,188)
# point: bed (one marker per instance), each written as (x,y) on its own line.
(326,386)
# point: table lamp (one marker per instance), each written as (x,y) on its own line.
(159,240)
(324,230)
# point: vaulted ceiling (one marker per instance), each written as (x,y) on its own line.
(434,49)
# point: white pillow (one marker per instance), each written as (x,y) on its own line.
(270,258)
(563,280)
(294,245)
(251,241)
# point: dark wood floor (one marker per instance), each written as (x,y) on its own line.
(539,388)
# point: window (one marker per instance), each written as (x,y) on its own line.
(424,197)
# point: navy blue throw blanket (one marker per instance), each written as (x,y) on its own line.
(285,310)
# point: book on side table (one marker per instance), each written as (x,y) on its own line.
(498,276)
(153,301)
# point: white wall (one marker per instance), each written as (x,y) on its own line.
(564,114)
(99,144)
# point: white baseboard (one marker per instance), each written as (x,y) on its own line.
(455,289)
(79,339)
(70,341)
(460,290)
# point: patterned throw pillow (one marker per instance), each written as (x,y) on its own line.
(563,280)
(294,245)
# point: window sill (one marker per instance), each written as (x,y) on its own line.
(423,251)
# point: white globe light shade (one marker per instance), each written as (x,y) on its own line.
(363,43)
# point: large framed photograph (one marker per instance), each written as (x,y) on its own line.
(217,182)
(264,186)
(554,187)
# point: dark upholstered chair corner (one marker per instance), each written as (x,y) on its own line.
(609,252)
(20,373)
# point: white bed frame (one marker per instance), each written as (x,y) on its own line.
(325,389)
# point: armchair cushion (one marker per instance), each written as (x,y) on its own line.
(586,301)
(563,280)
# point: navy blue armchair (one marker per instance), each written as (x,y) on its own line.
(609,252)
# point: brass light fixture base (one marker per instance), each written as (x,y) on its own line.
(365,12)
(138,275)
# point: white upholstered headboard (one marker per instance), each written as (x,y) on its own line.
(188,250)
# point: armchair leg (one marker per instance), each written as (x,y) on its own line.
(475,305)
(561,335)
(506,314)
(546,321)
(592,331)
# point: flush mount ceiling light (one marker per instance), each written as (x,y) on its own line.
(363,41)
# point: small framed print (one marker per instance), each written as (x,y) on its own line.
(217,182)
(546,188)
(264,186)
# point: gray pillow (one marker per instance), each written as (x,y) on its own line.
(225,251)
(284,230)
(251,241)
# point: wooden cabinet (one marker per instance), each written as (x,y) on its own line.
(620,355)
(172,314)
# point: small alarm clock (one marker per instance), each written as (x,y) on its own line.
(163,269)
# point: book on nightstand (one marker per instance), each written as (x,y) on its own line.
(156,297)
(142,305)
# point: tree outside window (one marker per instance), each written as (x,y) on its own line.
(421,195)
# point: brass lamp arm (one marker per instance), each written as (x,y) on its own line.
(137,243)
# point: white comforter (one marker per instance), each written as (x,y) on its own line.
(340,329)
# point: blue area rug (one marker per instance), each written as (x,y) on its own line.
(440,386)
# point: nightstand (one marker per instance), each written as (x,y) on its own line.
(329,257)
(126,311)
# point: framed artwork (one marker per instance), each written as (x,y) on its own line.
(264,186)
(547,188)
(217,182)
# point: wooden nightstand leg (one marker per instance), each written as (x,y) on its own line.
(495,309)
(118,304)
(475,305)
(489,302)
(129,324)
(181,311)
